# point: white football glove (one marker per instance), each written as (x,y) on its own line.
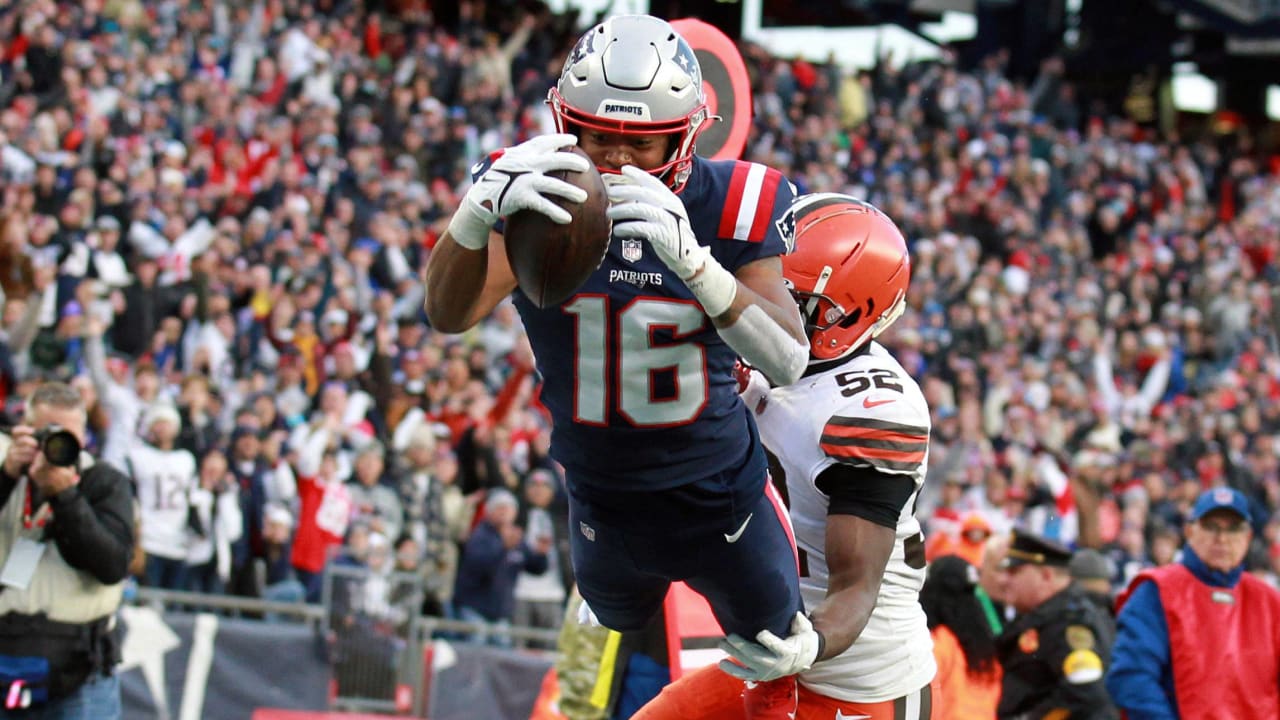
(515,182)
(644,207)
(772,657)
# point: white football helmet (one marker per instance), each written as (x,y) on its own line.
(634,75)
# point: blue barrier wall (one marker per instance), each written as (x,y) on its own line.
(206,667)
(183,667)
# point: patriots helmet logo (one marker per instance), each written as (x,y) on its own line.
(787,229)
(688,61)
(584,47)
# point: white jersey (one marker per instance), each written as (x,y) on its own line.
(165,479)
(866,412)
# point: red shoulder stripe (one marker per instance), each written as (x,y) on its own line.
(764,206)
(733,200)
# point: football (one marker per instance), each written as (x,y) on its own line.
(551,261)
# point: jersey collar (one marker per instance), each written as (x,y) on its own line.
(817,368)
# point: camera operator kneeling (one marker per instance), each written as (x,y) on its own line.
(66,536)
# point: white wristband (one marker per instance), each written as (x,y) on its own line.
(468,228)
(714,287)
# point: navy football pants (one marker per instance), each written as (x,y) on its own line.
(739,554)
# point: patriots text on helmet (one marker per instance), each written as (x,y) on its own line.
(639,111)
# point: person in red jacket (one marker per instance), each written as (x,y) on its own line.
(325,511)
(1200,638)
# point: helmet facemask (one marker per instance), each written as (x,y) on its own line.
(825,319)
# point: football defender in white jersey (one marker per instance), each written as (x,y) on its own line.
(852,439)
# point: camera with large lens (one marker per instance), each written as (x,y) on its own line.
(59,445)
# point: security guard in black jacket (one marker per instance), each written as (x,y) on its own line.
(66,537)
(1056,651)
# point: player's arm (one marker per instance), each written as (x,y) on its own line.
(468,273)
(763,322)
(751,310)
(874,462)
(868,482)
(760,284)
(464,285)
(862,517)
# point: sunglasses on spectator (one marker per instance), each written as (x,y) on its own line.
(1224,528)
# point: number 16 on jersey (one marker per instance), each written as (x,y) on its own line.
(627,352)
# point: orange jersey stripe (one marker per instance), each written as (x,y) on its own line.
(859,433)
(873,453)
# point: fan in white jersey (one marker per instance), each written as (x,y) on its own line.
(852,439)
(164,477)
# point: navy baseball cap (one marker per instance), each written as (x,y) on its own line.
(1028,549)
(1219,499)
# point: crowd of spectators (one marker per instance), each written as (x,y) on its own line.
(216,215)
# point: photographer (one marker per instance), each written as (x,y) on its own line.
(66,534)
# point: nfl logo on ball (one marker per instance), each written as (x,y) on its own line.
(631,250)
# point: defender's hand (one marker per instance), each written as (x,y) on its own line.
(22,451)
(644,207)
(742,375)
(772,657)
(516,181)
(753,387)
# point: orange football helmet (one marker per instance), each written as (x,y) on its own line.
(848,270)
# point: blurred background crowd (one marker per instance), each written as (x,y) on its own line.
(215,219)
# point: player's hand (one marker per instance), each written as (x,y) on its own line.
(644,207)
(516,181)
(772,657)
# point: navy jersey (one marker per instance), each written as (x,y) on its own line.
(638,382)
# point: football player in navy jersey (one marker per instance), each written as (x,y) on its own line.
(666,474)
